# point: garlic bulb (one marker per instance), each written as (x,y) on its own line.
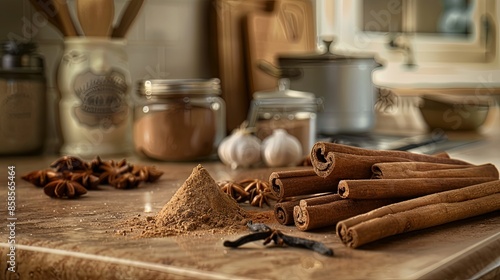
(222,150)
(281,149)
(240,149)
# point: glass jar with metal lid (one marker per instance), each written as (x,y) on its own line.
(178,119)
(22,99)
(294,111)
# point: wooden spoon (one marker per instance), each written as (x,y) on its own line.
(127,18)
(96,16)
(64,18)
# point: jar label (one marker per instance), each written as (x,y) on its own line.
(103,99)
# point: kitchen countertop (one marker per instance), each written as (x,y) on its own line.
(85,238)
(439,76)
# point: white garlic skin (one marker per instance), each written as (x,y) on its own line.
(281,149)
(223,148)
(240,149)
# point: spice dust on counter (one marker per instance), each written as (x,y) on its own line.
(197,207)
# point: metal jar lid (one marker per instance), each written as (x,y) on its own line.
(20,57)
(177,87)
(283,97)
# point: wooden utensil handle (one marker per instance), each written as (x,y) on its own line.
(62,12)
(44,9)
(128,16)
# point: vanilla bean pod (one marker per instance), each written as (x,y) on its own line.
(262,235)
(258,227)
(263,232)
(306,244)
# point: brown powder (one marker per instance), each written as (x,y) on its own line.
(177,133)
(198,207)
(198,204)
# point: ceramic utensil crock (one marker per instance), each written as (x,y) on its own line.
(94,83)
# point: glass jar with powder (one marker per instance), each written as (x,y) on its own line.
(22,99)
(178,119)
(294,111)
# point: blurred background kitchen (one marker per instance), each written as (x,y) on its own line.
(418,49)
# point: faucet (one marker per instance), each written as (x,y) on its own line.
(401,42)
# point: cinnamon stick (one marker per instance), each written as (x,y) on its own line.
(442,154)
(283,211)
(324,160)
(399,170)
(309,216)
(349,166)
(403,188)
(419,213)
(290,183)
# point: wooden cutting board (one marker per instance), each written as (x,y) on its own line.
(227,19)
(288,28)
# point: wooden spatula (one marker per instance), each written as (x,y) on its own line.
(96,17)
(64,18)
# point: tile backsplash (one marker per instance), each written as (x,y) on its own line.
(169,39)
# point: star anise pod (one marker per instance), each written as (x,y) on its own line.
(234,190)
(147,173)
(261,197)
(96,164)
(69,163)
(40,178)
(126,181)
(257,184)
(259,191)
(111,170)
(86,178)
(64,187)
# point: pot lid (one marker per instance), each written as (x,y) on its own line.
(328,55)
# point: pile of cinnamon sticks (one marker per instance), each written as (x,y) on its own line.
(372,194)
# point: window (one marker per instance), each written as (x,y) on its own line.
(368,25)
(450,17)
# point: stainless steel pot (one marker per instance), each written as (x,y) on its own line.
(342,80)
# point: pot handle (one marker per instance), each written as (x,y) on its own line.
(270,69)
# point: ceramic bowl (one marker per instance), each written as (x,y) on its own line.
(449,112)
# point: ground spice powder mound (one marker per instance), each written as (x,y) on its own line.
(198,204)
